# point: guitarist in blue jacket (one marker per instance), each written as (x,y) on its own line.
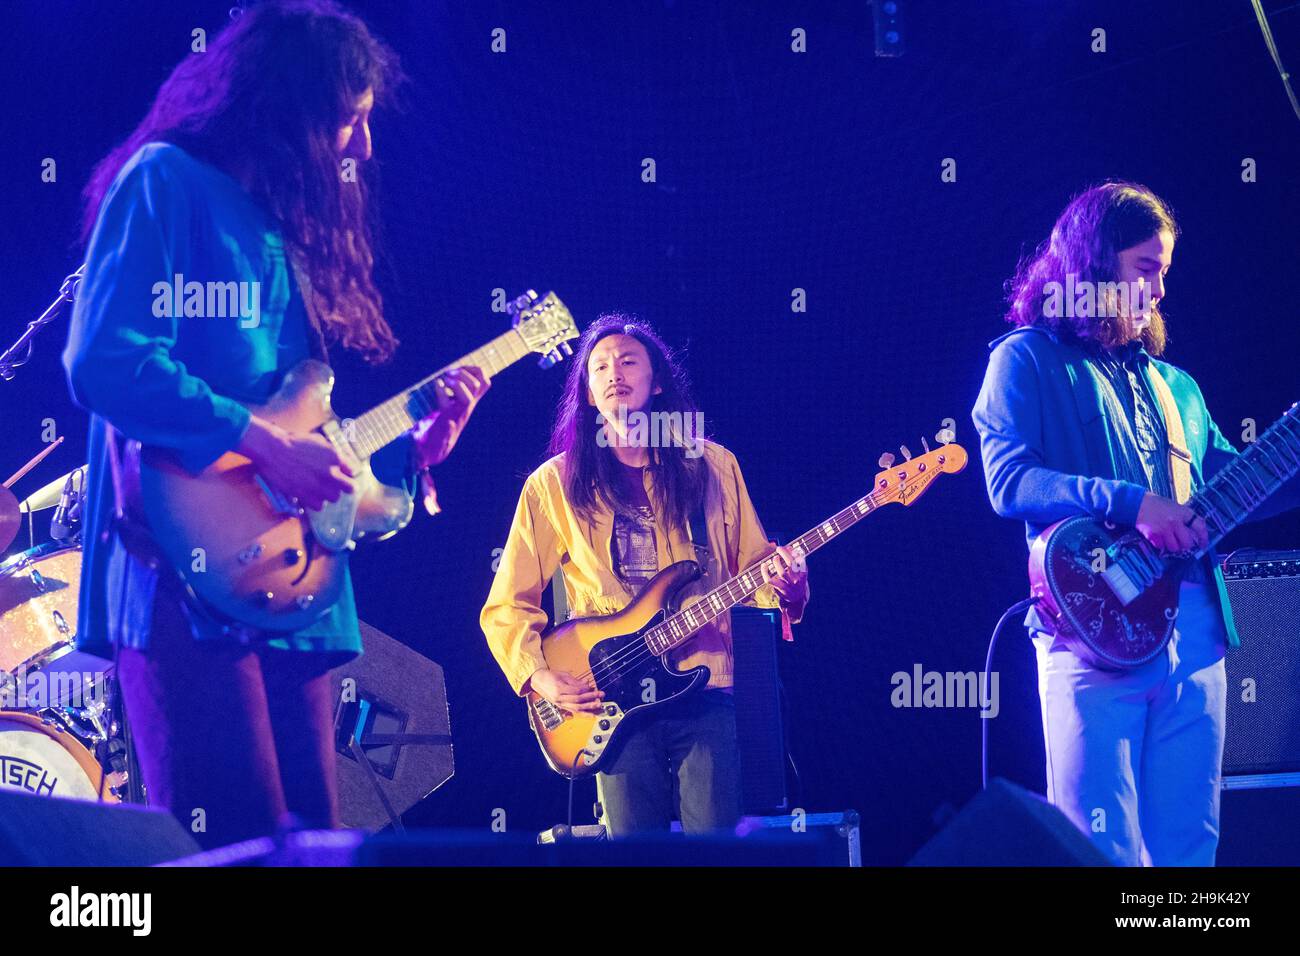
(246,172)
(1071,422)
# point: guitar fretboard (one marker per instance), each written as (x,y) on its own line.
(679,628)
(1266,464)
(387,420)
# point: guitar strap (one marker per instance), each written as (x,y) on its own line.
(1180,460)
(315,328)
(1180,468)
(697,532)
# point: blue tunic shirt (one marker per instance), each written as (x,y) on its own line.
(1052,448)
(180,382)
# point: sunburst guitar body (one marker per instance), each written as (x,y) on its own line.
(627,655)
(255,556)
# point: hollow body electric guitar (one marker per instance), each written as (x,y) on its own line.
(626,655)
(256,557)
(1112,596)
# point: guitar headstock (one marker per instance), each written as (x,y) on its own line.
(545,325)
(907,480)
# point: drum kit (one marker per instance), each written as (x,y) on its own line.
(61,727)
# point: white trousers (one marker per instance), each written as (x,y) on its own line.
(1134,758)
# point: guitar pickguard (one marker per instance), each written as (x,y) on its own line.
(373,508)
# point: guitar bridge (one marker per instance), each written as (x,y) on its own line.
(550,715)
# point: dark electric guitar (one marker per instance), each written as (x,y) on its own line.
(256,556)
(1112,596)
(626,654)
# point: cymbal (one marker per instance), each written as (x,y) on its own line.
(47,496)
(10,520)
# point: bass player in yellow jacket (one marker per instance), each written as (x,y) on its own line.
(611,508)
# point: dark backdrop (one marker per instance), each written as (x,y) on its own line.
(775,171)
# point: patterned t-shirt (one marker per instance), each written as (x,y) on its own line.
(636,558)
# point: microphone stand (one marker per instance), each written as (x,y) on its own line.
(11,359)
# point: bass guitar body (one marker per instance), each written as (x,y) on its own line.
(612,651)
(249,553)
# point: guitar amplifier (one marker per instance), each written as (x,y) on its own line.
(760,732)
(1262,739)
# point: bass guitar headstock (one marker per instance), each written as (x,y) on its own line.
(906,481)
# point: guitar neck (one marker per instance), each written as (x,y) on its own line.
(390,419)
(1236,491)
(682,626)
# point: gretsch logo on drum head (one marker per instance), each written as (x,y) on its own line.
(19,774)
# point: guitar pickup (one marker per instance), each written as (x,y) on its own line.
(1120,583)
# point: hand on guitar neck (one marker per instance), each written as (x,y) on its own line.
(458,395)
(1171,527)
(309,468)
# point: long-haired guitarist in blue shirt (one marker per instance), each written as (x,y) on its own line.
(1076,417)
(247,172)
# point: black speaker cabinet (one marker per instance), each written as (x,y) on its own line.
(1262,737)
(760,735)
(53,831)
(391,707)
(1007,825)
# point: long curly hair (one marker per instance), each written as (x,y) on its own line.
(264,103)
(1086,241)
(591,473)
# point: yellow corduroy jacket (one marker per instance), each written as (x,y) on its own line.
(547,534)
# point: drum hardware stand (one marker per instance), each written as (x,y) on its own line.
(12,359)
(119,749)
(11,510)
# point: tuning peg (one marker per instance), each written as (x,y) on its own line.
(906,454)
(546,361)
(925,444)
(520,303)
(568,349)
(945,435)
(886,460)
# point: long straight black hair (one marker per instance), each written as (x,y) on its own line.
(591,473)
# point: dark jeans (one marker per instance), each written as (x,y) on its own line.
(691,742)
(240,735)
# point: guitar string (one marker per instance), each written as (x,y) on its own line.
(636,651)
(639,651)
(391,415)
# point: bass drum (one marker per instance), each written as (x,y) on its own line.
(40,757)
(38,605)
